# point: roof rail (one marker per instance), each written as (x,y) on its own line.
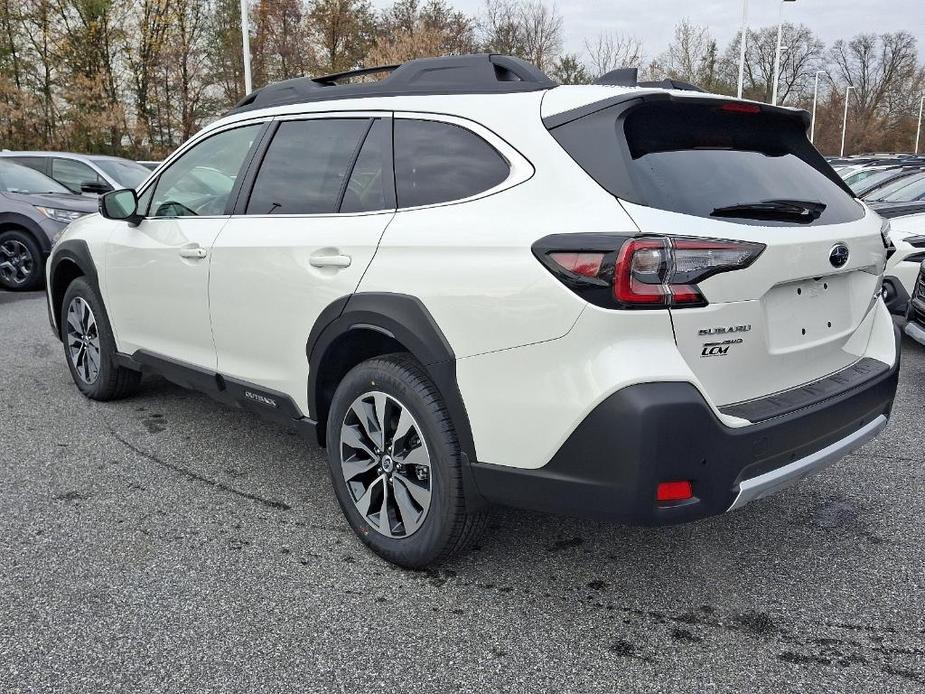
(482,73)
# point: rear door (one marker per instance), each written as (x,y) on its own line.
(713,169)
(305,230)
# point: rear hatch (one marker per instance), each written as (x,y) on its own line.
(796,306)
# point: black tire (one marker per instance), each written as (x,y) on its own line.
(113,381)
(28,273)
(447,529)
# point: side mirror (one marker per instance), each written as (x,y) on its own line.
(120,204)
(97,187)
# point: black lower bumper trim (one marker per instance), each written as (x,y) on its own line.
(610,466)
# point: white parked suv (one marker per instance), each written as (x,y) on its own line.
(476,287)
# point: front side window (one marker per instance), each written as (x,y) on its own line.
(74,174)
(440,162)
(306,167)
(200,182)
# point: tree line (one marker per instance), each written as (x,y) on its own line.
(138,77)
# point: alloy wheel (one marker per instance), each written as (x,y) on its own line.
(83,340)
(16,262)
(386,464)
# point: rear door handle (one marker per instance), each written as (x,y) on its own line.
(196,252)
(330,261)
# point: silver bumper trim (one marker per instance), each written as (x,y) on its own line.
(915,331)
(775,480)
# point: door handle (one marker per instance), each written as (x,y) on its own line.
(340,261)
(196,252)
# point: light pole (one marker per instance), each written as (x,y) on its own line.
(742,46)
(844,123)
(780,32)
(812,128)
(246,41)
(918,132)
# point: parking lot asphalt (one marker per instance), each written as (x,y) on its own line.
(169,543)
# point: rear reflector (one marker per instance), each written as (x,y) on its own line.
(584,264)
(674,491)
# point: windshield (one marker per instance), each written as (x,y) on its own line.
(887,191)
(15,178)
(126,173)
(913,190)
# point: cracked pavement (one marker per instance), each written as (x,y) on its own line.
(167,543)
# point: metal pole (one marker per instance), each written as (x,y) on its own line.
(245,40)
(742,47)
(812,128)
(780,31)
(844,123)
(918,132)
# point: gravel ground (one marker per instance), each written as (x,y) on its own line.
(167,543)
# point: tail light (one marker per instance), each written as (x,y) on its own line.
(644,272)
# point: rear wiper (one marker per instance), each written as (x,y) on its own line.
(801,211)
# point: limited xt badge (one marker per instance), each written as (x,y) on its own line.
(718,349)
(262,399)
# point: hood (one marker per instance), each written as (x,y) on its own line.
(61,201)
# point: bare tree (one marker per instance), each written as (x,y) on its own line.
(611,50)
(529,29)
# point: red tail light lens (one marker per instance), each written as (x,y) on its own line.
(645,272)
(739,107)
(663,271)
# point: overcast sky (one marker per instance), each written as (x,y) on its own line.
(653,20)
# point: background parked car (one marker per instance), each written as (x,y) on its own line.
(83,173)
(904,189)
(33,210)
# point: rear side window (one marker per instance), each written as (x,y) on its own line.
(441,162)
(703,160)
(306,166)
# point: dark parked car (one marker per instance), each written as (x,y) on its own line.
(905,189)
(34,209)
(915,328)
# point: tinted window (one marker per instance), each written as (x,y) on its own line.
(890,188)
(915,190)
(15,178)
(306,166)
(702,160)
(40,164)
(73,174)
(438,162)
(370,186)
(201,180)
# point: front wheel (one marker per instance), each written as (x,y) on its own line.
(396,464)
(90,347)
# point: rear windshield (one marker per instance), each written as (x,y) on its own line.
(699,159)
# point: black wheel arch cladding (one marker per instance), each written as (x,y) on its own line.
(66,256)
(400,318)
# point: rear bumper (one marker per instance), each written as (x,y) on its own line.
(648,433)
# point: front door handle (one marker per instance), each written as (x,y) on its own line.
(195,252)
(330,261)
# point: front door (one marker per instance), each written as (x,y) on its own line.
(302,239)
(158,271)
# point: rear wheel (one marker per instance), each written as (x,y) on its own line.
(396,464)
(90,347)
(21,267)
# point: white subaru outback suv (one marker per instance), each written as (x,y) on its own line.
(474,287)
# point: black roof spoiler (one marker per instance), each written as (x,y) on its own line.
(482,73)
(629,77)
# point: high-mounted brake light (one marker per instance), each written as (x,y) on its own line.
(739,107)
